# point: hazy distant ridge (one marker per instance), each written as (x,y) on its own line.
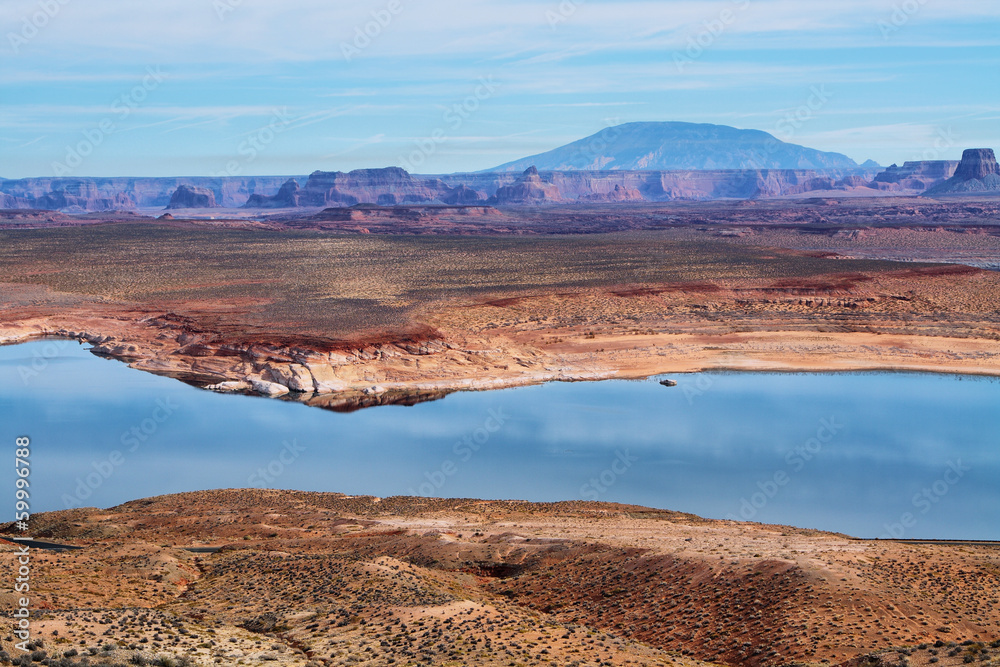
(664,146)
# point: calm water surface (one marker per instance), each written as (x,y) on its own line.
(868,454)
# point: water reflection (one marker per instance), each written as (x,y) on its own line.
(873,454)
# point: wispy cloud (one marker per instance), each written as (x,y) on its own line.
(556,82)
(312,30)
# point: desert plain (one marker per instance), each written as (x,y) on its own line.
(278,577)
(331,313)
(406,304)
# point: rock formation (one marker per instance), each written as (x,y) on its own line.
(977,163)
(107,194)
(385,187)
(915,175)
(668,185)
(287,197)
(78,195)
(192,196)
(394,187)
(977,172)
(528,189)
(617,194)
(463,195)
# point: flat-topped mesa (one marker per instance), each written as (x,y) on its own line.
(977,163)
(75,195)
(915,175)
(977,172)
(191,196)
(670,146)
(386,187)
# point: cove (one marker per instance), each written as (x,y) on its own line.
(908,455)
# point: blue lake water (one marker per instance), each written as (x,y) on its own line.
(868,454)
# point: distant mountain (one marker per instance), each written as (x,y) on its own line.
(679,146)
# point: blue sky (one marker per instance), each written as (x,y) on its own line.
(202,87)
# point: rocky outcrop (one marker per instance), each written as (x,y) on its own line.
(659,186)
(852,182)
(916,175)
(744,184)
(394,187)
(528,189)
(977,172)
(977,164)
(108,194)
(616,195)
(287,197)
(462,195)
(385,187)
(190,196)
(71,195)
